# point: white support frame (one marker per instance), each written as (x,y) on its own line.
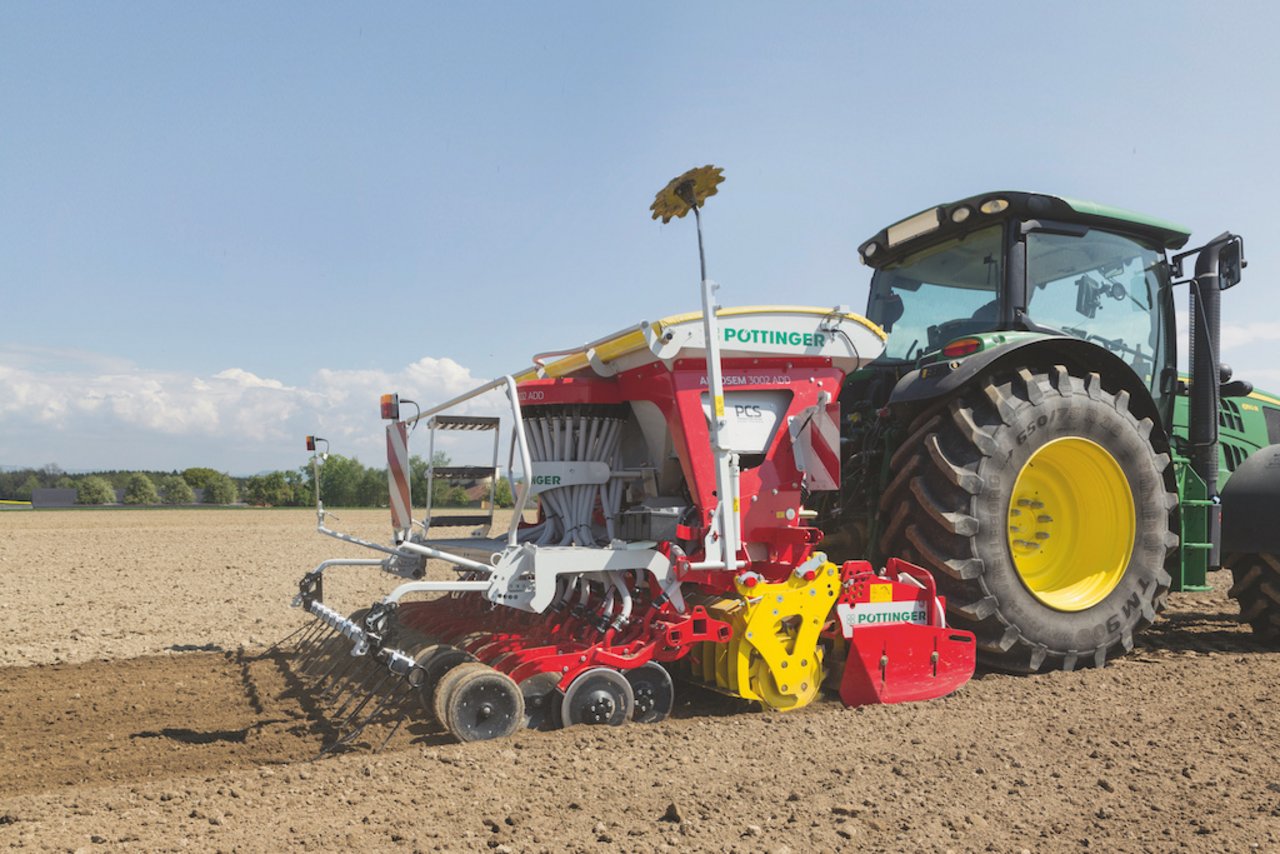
(725,517)
(521,442)
(409,548)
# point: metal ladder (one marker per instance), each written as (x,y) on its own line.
(473,423)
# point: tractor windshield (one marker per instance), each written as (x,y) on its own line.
(1102,287)
(939,293)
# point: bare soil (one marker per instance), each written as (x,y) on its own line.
(140,708)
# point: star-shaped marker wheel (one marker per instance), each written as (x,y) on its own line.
(686,192)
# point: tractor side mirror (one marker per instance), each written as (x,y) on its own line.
(1230,263)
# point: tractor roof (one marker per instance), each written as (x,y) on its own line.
(966,214)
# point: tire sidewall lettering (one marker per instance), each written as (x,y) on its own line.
(1030,430)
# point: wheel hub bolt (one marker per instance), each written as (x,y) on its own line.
(600,710)
(644,699)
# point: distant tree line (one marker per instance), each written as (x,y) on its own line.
(138,487)
(344,482)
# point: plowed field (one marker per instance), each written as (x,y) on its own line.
(140,708)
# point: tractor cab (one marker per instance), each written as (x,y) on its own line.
(956,279)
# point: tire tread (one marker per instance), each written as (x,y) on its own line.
(931,507)
(1256,587)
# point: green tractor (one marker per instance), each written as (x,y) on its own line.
(1028,438)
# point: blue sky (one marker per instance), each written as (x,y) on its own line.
(223,226)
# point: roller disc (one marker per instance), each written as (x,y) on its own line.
(428,652)
(443,689)
(439,659)
(481,703)
(599,696)
(437,662)
(654,693)
(542,701)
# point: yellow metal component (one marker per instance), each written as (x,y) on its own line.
(684,192)
(1072,524)
(605,350)
(773,656)
(633,338)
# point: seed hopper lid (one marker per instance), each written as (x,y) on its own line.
(774,331)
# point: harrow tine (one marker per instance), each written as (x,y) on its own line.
(369,685)
(322,642)
(330,748)
(337,669)
(344,740)
(359,688)
(364,669)
(369,695)
(314,629)
(315,667)
(303,647)
(401,712)
(341,654)
(317,643)
(337,686)
(305,627)
(370,718)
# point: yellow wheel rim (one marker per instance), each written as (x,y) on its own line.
(1071,524)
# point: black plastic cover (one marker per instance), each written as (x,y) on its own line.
(1251,505)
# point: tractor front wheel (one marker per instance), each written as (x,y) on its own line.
(1040,506)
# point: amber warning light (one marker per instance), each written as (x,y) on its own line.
(311,443)
(391,407)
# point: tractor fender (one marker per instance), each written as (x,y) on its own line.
(940,380)
(1251,505)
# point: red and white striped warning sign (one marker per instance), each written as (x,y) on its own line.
(815,436)
(398,475)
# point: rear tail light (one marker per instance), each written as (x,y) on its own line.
(962,347)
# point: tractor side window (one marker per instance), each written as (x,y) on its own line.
(939,293)
(1101,287)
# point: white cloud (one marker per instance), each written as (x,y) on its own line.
(1242,334)
(1234,334)
(246,379)
(88,411)
(1244,347)
(1264,378)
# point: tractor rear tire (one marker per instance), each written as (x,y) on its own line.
(1041,507)
(1256,587)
